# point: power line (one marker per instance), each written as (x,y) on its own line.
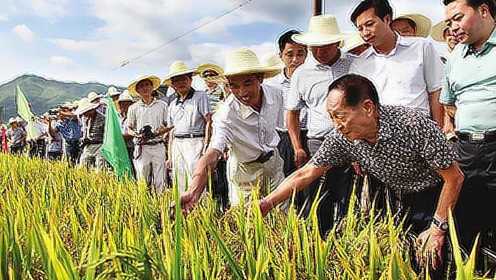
(129,61)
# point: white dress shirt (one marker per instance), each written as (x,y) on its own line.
(406,75)
(246,132)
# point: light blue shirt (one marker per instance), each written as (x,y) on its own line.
(309,89)
(284,83)
(188,116)
(471,86)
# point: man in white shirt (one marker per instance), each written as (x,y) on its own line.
(293,55)
(246,124)
(406,71)
(309,89)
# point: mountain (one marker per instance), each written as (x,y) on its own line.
(43,94)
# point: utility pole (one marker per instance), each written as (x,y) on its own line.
(317,7)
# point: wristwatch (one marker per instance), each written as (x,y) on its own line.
(440,224)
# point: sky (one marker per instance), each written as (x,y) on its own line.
(87,40)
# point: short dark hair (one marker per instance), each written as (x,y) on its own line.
(382,9)
(477,3)
(286,38)
(356,89)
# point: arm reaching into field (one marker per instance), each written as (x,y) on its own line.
(206,163)
(296,182)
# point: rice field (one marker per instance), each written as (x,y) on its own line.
(58,222)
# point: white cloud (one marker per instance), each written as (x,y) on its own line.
(74,45)
(24,33)
(4,18)
(60,60)
(50,8)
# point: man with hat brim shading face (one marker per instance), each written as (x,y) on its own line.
(147,123)
(92,115)
(191,116)
(309,90)
(246,125)
(419,82)
(354,45)
(125,101)
(114,94)
(69,126)
(16,137)
(213,75)
(442,34)
(470,89)
(291,55)
(412,25)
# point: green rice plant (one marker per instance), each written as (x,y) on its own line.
(58,222)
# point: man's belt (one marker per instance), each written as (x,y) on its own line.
(477,137)
(153,143)
(263,158)
(191,135)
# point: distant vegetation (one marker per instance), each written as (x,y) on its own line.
(43,94)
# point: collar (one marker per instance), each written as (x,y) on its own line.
(400,41)
(140,102)
(325,67)
(189,96)
(470,50)
(246,111)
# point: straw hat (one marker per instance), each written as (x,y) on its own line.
(93,96)
(273,60)
(125,97)
(245,61)
(322,30)
(209,67)
(112,91)
(19,119)
(178,68)
(85,105)
(67,105)
(422,22)
(154,79)
(352,40)
(437,32)
(12,120)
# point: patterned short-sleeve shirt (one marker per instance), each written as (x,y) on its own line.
(409,150)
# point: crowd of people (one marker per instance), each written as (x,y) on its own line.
(303,126)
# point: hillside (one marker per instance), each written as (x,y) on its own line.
(42,93)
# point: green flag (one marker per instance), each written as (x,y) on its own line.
(24,111)
(114,148)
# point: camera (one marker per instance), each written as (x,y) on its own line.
(146,132)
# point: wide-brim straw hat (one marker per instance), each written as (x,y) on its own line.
(202,68)
(12,120)
(125,97)
(112,91)
(323,30)
(351,41)
(85,106)
(178,68)
(92,96)
(244,61)
(423,23)
(437,32)
(19,119)
(132,87)
(273,60)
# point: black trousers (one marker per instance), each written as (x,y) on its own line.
(54,155)
(286,150)
(335,191)
(37,148)
(17,150)
(220,190)
(72,151)
(476,207)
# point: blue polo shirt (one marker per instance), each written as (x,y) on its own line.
(471,86)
